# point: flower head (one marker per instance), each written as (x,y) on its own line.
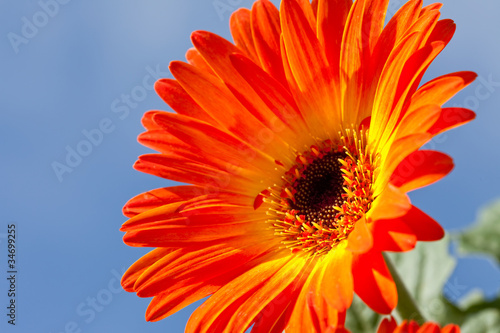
(390,326)
(299,142)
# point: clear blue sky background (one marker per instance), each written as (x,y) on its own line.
(64,78)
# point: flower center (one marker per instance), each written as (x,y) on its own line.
(322,196)
(319,190)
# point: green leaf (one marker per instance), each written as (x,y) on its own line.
(360,318)
(487,321)
(475,302)
(484,235)
(425,272)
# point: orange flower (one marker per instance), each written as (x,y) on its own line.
(300,142)
(390,326)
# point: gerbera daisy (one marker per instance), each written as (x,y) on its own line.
(390,326)
(300,141)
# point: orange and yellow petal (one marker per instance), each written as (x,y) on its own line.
(251,292)
(373,282)
(298,144)
(389,325)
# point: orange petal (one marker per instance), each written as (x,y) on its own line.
(407,327)
(172,148)
(383,118)
(312,86)
(180,101)
(393,235)
(266,31)
(451,328)
(216,99)
(180,169)
(391,203)
(194,58)
(429,328)
(357,72)
(183,176)
(372,24)
(360,240)
(141,265)
(332,281)
(214,314)
(189,290)
(422,225)
(439,90)
(388,325)
(214,142)
(172,236)
(193,265)
(426,23)
(443,31)
(273,94)
(373,283)
(331,17)
(220,203)
(418,121)
(300,319)
(421,168)
(152,215)
(202,210)
(431,7)
(307,10)
(410,71)
(301,44)
(451,118)
(314,6)
(280,286)
(326,320)
(175,151)
(435,41)
(241,30)
(394,31)
(351,62)
(148,122)
(166,304)
(279,122)
(312,309)
(413,73)
(176,162)
(217,52)
(217,169)
(396,153)
(274,317)
(160,197)
(163,142)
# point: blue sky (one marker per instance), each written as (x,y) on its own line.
(72,68)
